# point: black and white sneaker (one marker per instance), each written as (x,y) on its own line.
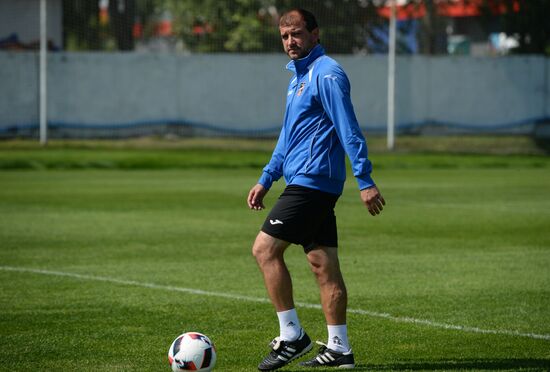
(283,352)
(330,358)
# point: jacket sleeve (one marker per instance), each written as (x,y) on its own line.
(274,169)
(334,92)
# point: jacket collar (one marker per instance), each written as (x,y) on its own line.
(301,66)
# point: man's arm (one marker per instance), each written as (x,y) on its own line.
(334,90)
(274,169)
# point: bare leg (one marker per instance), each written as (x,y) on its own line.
(334,299)
(269,252)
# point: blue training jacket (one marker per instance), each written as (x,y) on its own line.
(319,128)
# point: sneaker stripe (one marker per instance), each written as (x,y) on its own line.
(283,352)
(330,358)
(325,358)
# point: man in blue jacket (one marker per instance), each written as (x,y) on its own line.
(319,129)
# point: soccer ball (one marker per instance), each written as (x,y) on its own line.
(192,351)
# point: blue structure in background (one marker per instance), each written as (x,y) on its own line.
(407,43)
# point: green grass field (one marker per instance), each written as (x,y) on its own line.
(104,252)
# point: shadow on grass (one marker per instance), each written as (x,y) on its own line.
(482,364)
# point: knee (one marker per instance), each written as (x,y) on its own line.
(264,250)
(322,273)
(317,268)
(327,272)
(259,252)
(321,268)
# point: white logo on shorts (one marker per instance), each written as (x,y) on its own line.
(276,222)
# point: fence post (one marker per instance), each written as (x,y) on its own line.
(391,78)
(43,115)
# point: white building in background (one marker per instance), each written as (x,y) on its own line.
(20,24)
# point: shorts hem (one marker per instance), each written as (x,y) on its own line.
(312,246)
(278,236)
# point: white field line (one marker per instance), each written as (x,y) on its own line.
(231,296)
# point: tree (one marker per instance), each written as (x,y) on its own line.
(213,25)
(219,26)
(81,25)
(251,25)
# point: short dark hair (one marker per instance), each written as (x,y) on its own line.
(307,16)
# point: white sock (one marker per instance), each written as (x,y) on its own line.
(289,325)
(338,338)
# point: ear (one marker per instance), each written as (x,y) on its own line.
(315,34)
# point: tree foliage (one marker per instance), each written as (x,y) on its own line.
(251,25)
(212,25)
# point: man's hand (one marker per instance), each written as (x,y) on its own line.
(256,197)
(373,200)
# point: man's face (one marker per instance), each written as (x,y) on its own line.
(297,40)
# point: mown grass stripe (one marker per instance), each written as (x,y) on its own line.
(231,296)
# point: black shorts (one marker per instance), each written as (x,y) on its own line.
(303,216)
